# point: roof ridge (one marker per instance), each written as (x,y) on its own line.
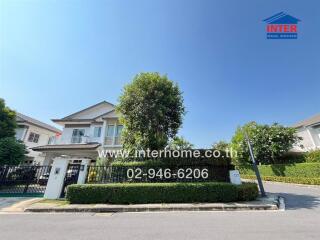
(37,122)
(97,104)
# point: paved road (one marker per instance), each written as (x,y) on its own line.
(301,220)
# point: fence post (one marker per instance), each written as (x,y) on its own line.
(83,171)
(56,178)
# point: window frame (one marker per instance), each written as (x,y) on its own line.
(33,137)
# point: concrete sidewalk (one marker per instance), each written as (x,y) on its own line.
(16,204)
(272,202)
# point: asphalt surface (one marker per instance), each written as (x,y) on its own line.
(301,220)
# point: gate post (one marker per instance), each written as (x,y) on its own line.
(56,178)
(83,171)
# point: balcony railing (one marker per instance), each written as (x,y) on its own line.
(113,141)
(75,140)
(109,141)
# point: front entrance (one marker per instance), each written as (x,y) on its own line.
(71,177)
(22,181)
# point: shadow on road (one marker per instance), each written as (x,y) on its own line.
(297,201)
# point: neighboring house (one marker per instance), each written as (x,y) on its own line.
(85,132)
(34,133)
(309,130)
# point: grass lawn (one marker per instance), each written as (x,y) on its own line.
(59,202)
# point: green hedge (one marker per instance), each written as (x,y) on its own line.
(140,193)
(311,181)
(313,156)
(300,170)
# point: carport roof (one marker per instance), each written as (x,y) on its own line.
(88,146)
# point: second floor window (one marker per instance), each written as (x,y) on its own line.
(77,135)
(110,135)
(33,137)
(113,135)
(51,140)
(97,132)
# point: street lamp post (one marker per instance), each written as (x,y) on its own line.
(255,168)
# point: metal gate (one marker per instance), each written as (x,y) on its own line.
(71,177)
(23,181)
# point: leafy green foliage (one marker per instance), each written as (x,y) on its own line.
(221,145)
(12,152)
(151,109)
(313,156)
(299,180)
(180,143)
(303,170)
(269,142)
(141,193)
(7,121)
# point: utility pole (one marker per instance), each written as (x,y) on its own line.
(255,168)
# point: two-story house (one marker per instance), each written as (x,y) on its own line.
(309,130)
(34,133)
(84,133)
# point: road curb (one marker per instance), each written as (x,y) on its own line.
(274,204)
(281,205)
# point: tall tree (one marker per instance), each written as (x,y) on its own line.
(12,152)
(179,143)
(7,121)
(151,109)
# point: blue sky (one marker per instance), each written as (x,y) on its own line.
(58,57)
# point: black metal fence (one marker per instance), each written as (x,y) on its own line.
(26,180)
(185,173)
(71,177)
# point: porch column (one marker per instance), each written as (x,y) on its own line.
(83,171)
(103,132)
(56,178)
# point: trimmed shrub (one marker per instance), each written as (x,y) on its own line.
(291,157)
(299,180)
(247,192)
(302,170)
(140,193)
(313,156)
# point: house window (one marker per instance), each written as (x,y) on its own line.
(77,135)
(33,137)
(110,135)
(51,140)
(117,140)
(76,161)
(97,132)
(113,134)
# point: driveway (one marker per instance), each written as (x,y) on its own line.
(8,202)
(301,220)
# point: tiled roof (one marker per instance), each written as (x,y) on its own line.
(310,121)
(23,118)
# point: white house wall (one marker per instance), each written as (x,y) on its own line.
(43,140)
(310,138)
